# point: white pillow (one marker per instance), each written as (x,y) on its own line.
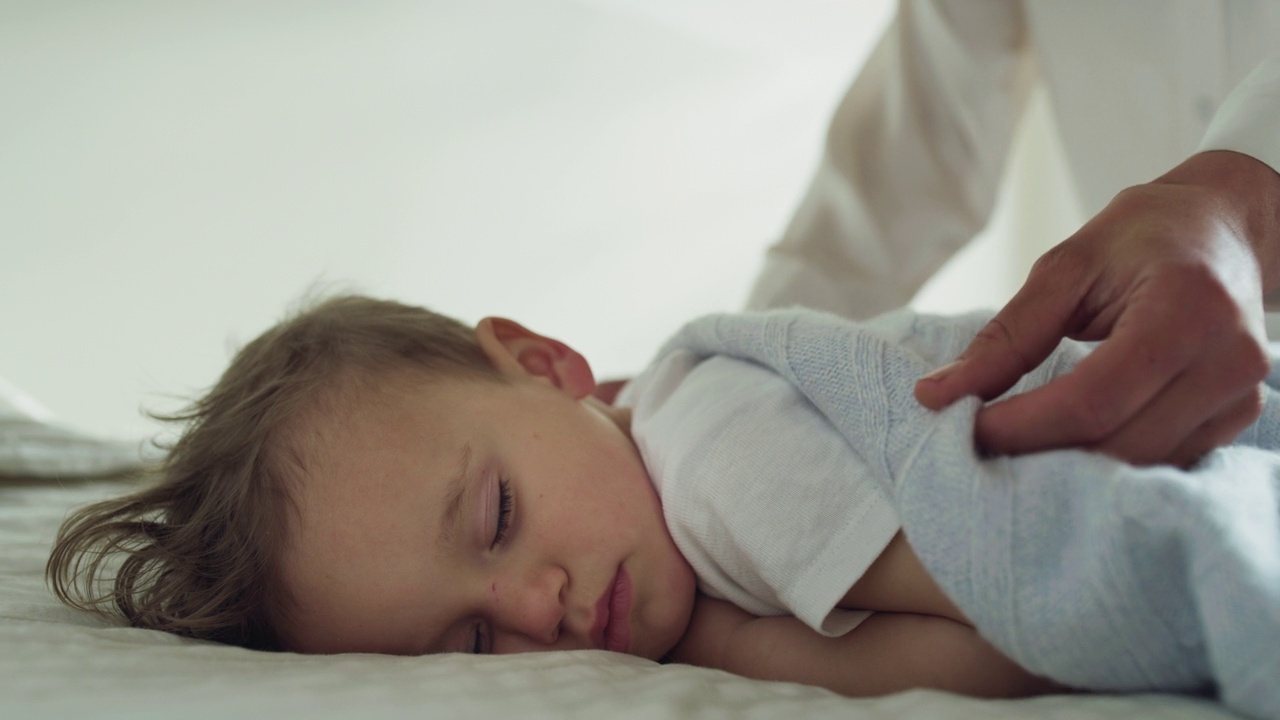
(34,444)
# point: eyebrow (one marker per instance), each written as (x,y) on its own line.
(455,494)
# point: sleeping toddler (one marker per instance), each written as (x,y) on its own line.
(766,498)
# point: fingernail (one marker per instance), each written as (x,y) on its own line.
(942,372)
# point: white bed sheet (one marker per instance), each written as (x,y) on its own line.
(59,663)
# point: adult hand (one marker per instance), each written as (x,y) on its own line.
(1168,276)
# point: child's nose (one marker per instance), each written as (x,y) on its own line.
(533,607)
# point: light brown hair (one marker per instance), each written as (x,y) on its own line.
(195,552)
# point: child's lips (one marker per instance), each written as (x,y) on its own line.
(612,628)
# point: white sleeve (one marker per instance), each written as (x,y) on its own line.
(762,495)
(913,160)
(1248,122)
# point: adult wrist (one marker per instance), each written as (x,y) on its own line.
(1247,192)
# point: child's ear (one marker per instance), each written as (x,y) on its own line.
(516,350)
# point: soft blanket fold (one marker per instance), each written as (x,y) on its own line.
(1081,568)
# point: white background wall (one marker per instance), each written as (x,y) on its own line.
(174,174)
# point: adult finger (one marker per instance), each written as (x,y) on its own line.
(1014,342)
(1104,392)
(1183,422)
(1215,398)
(1218,431)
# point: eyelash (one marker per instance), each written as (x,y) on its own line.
(505,502)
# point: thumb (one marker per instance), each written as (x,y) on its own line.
(1012,344)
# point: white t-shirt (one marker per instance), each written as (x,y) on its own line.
(757,488)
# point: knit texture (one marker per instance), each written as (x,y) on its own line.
(1081,568)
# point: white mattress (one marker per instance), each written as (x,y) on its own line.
(59,663)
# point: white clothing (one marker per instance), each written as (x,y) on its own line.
(760,492)
(1078,567)
(917,147)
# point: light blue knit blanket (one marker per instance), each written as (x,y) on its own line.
(1082,569)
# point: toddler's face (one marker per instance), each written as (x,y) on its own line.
(479,516)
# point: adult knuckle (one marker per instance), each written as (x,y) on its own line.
(1061,262)
(993,337)
(1133,197)
(1238,365)
(994,332)
(999,334)
(1252,361)
(1253,404)
(1228,424)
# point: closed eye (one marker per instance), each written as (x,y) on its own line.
(505,503)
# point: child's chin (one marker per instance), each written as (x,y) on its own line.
(658,651)
(651,654)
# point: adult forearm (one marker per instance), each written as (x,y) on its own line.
(913,161)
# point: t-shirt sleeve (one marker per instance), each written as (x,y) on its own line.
(764,497)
